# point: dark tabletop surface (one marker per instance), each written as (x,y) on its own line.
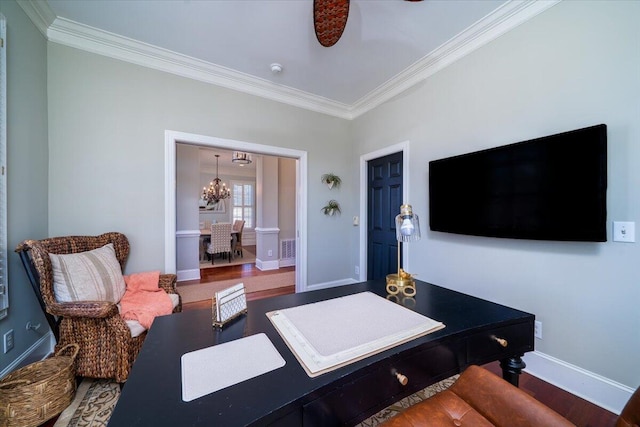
(153,393)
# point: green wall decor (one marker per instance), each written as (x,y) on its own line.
(331,180)
(331,208)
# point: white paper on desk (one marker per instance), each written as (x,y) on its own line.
(214,368)
(330,334)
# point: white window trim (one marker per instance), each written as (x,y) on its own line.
(244,182)
(4,274)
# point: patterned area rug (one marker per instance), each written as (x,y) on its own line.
(247,257)
(95,400)
(405,403)
(92,405)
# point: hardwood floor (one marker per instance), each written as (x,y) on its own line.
(237,272)
(577,410)
(250,296)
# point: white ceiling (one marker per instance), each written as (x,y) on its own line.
(387,46)
(207,158)
(381,38)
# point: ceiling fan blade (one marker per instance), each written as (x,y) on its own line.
(329,20)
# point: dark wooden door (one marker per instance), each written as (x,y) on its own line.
(384,186)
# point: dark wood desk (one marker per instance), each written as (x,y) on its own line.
(287,396)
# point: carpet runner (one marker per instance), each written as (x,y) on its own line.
(247,258)
(92,405)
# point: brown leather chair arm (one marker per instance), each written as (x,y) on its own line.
(502,403)
(444,409)
(93,309)
(479,399)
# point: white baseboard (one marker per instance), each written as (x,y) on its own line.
(287,262)
(267,265)
(331,284)
(601,391)
(193,274)
(38,351)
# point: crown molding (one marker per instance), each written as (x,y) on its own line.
(84,37)
(39,13)
(507,17)
(80,36)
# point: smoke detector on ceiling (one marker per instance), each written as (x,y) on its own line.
(276,68)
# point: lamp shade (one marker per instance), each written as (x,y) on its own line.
(241,158)
(407,225)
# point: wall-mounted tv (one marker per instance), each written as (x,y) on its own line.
(549,188)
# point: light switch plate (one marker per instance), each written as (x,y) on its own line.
(8,341)
(624,231)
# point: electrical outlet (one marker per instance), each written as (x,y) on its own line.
(357,269)
(8,341)
(269,252)
(537,330)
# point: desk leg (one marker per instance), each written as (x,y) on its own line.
(512,368)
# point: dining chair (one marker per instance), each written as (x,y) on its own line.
(220,240)
(238,226)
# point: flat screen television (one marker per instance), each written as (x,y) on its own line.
(550,188)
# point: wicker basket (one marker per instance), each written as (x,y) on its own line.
(39,391)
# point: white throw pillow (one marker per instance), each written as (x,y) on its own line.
(88,276)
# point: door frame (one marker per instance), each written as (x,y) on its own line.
(364,197)
(171,138)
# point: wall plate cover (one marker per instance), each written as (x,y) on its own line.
(624,231)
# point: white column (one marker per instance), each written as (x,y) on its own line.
(187,215)
(267,231)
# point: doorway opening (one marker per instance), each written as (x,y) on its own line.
(172,138)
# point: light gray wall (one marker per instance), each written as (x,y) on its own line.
(107,121)
(187,187)
(578,64)
(267,189)
(26,169)
(287,198)
(187,215)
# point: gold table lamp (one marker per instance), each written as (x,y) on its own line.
(407,230)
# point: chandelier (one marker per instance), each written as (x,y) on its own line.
(215,192)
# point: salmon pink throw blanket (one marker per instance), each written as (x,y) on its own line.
(144,300)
